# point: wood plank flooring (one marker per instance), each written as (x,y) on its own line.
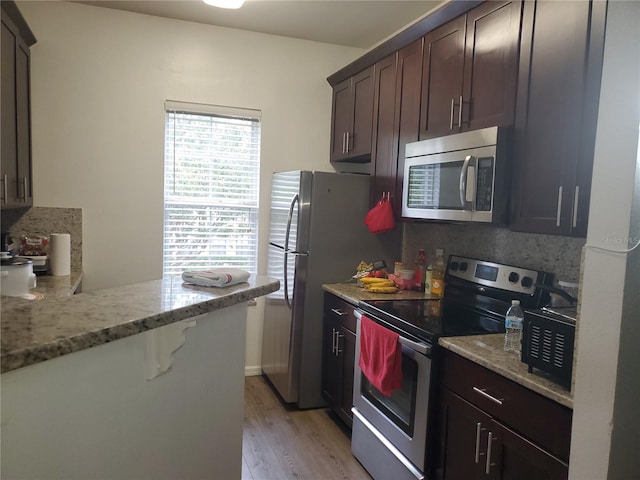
(284,443)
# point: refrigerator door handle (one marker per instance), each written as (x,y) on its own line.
(294,200)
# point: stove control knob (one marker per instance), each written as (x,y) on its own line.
(463,266)
(526,282)
(453,266)
(514,277)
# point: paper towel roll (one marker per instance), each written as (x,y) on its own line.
(60,254)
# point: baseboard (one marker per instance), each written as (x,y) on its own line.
(252,371)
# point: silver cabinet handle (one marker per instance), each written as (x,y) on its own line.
(339,312)
(478,430)
(559,206)
(451,115)
(576,195)
(484,393)
(488,464)
(333,341)
(24,189)
(460,114)
(5,197)
(338,337)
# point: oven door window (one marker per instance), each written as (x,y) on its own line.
(401,405)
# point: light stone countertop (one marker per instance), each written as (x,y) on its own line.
(34,331)
(58,286)
(488,351)
(485,350)
(353,293)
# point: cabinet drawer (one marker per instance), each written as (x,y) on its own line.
(540,419)
(340,310)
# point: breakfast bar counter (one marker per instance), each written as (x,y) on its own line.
(37,330)
(141,381)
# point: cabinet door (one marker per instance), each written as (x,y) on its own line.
(515,458)
(331,364)
(347,350)
(9,173)
(442,74)
(407,116)
(341,119)
(490,65)
(551,91)
(384,154)
(464,429)
(359,136)
(23,125)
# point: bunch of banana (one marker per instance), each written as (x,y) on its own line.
(378,285)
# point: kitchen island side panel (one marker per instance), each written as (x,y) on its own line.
(94,413)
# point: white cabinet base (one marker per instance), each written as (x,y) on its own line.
(93,414)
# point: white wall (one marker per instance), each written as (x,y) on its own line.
(99,81)
(603,289)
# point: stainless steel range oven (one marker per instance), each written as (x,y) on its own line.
(393,436)
(398,421)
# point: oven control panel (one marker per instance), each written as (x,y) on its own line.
(494,275)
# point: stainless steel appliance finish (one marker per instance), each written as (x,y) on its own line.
(400,421)
(317,235)
(394,437)
(461,177)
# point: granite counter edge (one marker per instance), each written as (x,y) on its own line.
(529,381)
(20,358)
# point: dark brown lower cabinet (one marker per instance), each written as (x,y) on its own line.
(484,430)
(338,356)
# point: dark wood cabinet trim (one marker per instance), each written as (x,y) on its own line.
(439,17)
(10,10)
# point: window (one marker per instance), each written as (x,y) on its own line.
(211,188)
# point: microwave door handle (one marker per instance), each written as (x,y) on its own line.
(463,182)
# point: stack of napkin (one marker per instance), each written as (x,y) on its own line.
(216,277)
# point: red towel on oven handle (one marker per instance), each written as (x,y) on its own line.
(380,356)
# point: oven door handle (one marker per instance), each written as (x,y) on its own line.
(422,348)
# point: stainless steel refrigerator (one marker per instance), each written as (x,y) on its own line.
(317,235)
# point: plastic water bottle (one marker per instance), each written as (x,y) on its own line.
(513,328)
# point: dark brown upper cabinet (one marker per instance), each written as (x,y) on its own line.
(396,119)
(351,118)
(556,114)
(469,71)
(15,160)
(384,154)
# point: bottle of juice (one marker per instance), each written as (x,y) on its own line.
(437,274)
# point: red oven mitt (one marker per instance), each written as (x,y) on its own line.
(380,356)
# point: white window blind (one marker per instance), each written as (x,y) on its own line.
(211,188)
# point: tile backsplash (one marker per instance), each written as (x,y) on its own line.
(555,254)
(45,221)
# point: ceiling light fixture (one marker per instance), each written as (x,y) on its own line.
(224,3)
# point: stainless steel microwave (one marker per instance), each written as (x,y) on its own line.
(461,177)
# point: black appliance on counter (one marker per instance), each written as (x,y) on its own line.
(393,436)
(548,339)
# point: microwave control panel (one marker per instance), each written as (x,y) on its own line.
(485,179)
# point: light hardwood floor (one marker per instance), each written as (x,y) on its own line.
(284,443)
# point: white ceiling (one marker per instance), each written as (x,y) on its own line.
(359,23)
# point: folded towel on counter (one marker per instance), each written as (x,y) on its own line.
(216,277)
(380,356)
